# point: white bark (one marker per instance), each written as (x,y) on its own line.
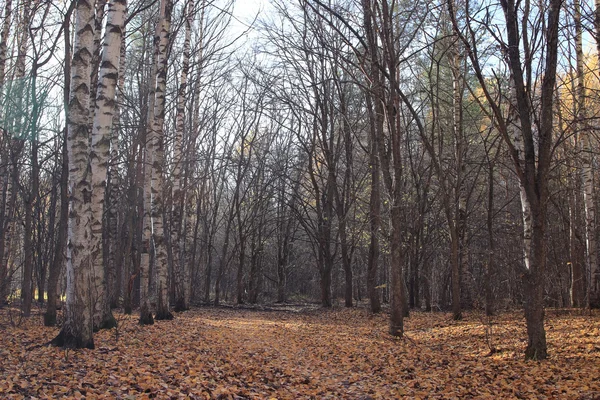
(590,219)
(153,170)
(584,132)
(180,267)
(114,185)
(145,311)
(78,325)
(4,37)
(99,6)
(514,129)
(157,187)
(6,181)
(99,156)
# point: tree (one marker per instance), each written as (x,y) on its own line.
(99,156)
(536,133)
(180,267)
(77,330)
(383,72)
(6,206)
(158,149)
(584,131)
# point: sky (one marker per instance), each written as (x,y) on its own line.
(246,10)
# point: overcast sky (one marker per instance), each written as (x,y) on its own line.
(245,11)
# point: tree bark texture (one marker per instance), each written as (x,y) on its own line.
(100,155)
(77,330)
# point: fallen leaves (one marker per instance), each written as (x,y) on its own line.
(244,354)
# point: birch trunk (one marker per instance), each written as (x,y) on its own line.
(157,184)
(146,317)
(77,330)
(584,132)
(376,125)
(577,290)
(5,177)
(515,132)
(115,253)
(145,310)
(4,37)
(59,253)
(31,203)
(180,267)
(21,129)
(457,210)
(14,148)
(99,156)
(100,5)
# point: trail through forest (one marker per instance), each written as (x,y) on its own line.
(244,354)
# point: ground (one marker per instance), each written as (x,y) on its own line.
(225,353)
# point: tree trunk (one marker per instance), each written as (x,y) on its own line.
(99,156)
(325,285)
(397,287)
(27,282)
(6,209)
(533,289)
(78,326)
(100,5)
(148,142)
(534,165)
(31,204)
(223,260)
(4,37)
(242,255)
(180,267)
(255,263)
(374,101)
(59,252)
(583,130)
(283,246)
(146,317)
(535,180)
(490,265)
(164,31)
(115,275)
(577,290)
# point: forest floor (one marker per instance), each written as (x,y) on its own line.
(228,353)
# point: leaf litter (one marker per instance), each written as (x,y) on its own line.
(219,353)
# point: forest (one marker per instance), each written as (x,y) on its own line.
(397,168)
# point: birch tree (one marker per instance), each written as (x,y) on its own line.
(180,267)
(153,175)
(77,330)
(584,132)
(99,156)
(6,206)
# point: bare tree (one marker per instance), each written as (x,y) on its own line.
(536,132)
